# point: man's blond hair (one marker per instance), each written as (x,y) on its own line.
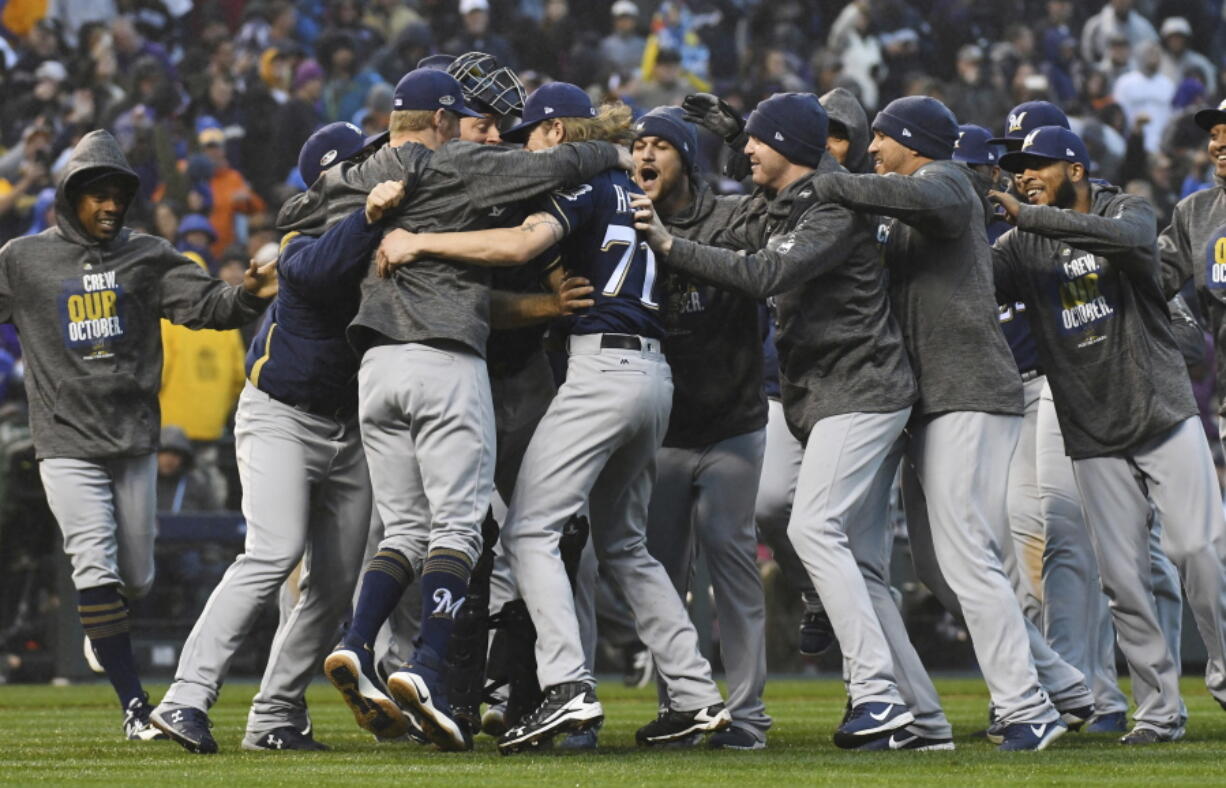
(611,124)
(406,120)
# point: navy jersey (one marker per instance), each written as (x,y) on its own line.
(602,246)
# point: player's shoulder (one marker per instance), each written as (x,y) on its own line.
(1199,199)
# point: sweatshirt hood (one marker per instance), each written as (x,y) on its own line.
(96,154)
(699,208)
(843,107)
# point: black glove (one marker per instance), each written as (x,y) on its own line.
(713,114)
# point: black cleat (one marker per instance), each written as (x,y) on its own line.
(285,738)
(568,708)
(186,725)
(136,725)
(671,725)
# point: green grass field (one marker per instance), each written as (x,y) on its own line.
(63,735)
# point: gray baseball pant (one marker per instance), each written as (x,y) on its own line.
(306,498)
(703,500)
(773,507)
(597,443)
(107,512)
(1175,472)
(428,432)
(961,464)
(1074,604)
(1024,564)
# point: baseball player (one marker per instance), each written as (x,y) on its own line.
(1072,602)
(87,295)
(964,428)
(424,397)
(306,489)
(820,264)
(1084,259)
(709,465)
(598,439)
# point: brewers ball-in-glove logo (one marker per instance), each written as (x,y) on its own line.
(90,312)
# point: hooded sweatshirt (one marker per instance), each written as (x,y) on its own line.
(1092,289)
(843,107)
(941,291)
(88,315)
(840,349)
(1193,246)
(714,341)
(461,186)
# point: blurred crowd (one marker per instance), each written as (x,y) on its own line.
(212,100)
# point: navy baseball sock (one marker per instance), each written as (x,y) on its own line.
(444,584)
(104,615)
(387,575)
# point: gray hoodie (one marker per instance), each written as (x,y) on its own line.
(714,343)
(461,186)
(88,313)
(840,350)
(941,291)
(1193,246)
(1092,290)
(844,108)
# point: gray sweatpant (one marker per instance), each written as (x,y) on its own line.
(598,442)
(107,512)
(1175,472)
(1024,564)
(1073,602)
(961,463)
(428,432)
(305,498)
(703,500)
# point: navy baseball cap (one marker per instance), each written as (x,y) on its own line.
(1054,143)
(430,89)
(553,100)
(974,146)
(1208,118)
(329,145)
(1026,117)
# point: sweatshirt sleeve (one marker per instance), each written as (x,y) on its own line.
(1003,260)
(929,201)
(1175,250)
(494,175)
(6,289)
(317,264)
(818,243)
(1126,235)
(192,298)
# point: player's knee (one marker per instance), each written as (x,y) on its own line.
(138,585)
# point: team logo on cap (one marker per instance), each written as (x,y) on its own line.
(906,132)
(779,137)
(958,142)
(1030,138)
(1222,106)
(398,103)
(446,99)
(327,158)
(1015,121)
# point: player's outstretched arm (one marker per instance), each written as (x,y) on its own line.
(515,310)
(931,203)
(501,246)
(191,297)
(1127,236)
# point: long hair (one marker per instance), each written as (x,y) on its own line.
(611,124)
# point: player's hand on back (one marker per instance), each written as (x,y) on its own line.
(261,280)
(572,295)
(383,198)
(399,247)
(625,159)
(648,223)
(1009,205)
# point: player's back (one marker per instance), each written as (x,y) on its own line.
(602,246)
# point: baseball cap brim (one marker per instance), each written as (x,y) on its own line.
(376,140)
(520,131)
(1208,118)
(1017,161)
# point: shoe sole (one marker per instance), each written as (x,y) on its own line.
(851,741)
(410,692)
(576,721)
(246,745)
(373,711)
(199,748)
(1055,733)
(716,723)
(494,724)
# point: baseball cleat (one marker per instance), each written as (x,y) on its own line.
(1111,722)
(870,721)
(671,725)
(1032,736)
(640,666)
(91,657)
(734,738)
(136,726)
(1139,736)
(1075,718)
(494,720)
(186,725)
(425,701)
(567,708)
(284,738)
(905,740)
(816,633)
(352,672)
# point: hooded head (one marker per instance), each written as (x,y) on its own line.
(849,123)
(94,191)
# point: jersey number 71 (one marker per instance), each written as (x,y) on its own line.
(620,234)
